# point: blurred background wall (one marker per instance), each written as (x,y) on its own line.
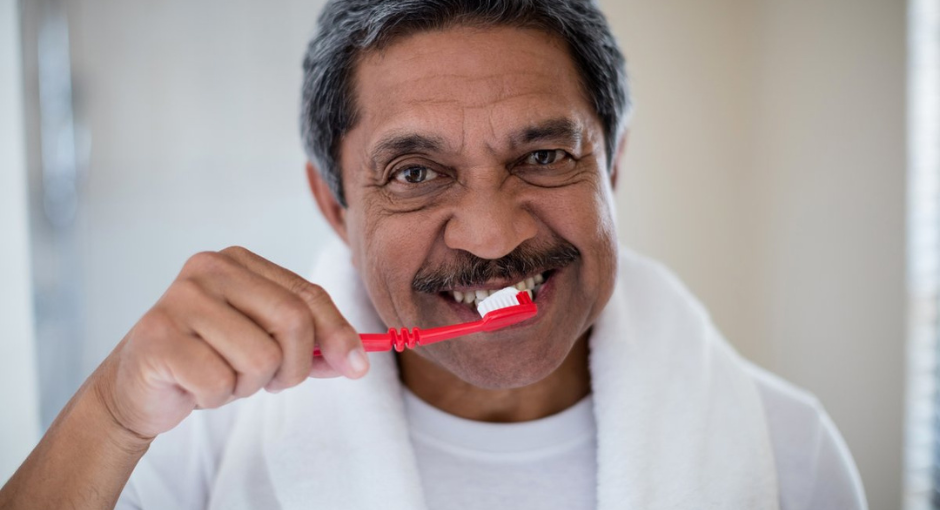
(18,430)
(766,166)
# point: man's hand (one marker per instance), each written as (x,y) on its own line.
(231,324)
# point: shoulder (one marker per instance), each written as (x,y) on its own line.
(814,466)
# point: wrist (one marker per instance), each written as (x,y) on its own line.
(102,404)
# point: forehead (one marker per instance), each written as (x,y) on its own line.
(476,81)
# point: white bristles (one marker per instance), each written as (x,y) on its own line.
(500,299)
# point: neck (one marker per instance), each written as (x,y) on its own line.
(563,388)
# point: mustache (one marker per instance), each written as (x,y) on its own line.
(468,270)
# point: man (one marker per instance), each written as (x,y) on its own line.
(456,147)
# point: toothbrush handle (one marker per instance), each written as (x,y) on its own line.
(378,342)
(371,342)
(399,339)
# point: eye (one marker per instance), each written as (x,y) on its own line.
(545,157)
(415,175)
(549,168)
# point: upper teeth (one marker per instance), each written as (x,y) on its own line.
(475,296)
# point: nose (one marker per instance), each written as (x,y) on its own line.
(489,224)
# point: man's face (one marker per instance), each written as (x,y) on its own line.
(476,162)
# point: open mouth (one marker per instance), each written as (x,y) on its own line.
(472,297)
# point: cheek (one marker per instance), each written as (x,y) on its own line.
(605,233)
(584,216)
(606,246)
(600,207)
(388,250)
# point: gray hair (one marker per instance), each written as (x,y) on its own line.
(347,28)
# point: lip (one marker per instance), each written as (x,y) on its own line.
(543,299)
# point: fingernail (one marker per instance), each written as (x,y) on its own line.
(358,361)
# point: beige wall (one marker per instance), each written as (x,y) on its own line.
(767,167)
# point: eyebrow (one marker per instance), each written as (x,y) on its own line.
(393,145)
(554,129)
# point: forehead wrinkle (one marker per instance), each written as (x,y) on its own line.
(471,90)
(505,94)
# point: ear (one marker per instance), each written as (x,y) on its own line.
(621,150)
(334,213)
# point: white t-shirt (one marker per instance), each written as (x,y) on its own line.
(551,464)
(545,464)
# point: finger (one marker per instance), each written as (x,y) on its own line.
(321,369)
(280,313)
(199,370)
(339,343)
(251,351)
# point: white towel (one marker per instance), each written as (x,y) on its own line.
(680,423)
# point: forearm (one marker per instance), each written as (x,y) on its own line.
(83,461)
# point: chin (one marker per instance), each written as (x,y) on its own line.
(500,365)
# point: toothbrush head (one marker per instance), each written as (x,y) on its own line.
(505,308)
(500,299)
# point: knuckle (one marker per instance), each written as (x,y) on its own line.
(206,262)
(235,251)
(297,378)
(266,360)
(311,293)
(217,377)
(221,385)
(292,376)
(293,317)
(244,390)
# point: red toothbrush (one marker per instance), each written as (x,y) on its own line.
(503,308)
